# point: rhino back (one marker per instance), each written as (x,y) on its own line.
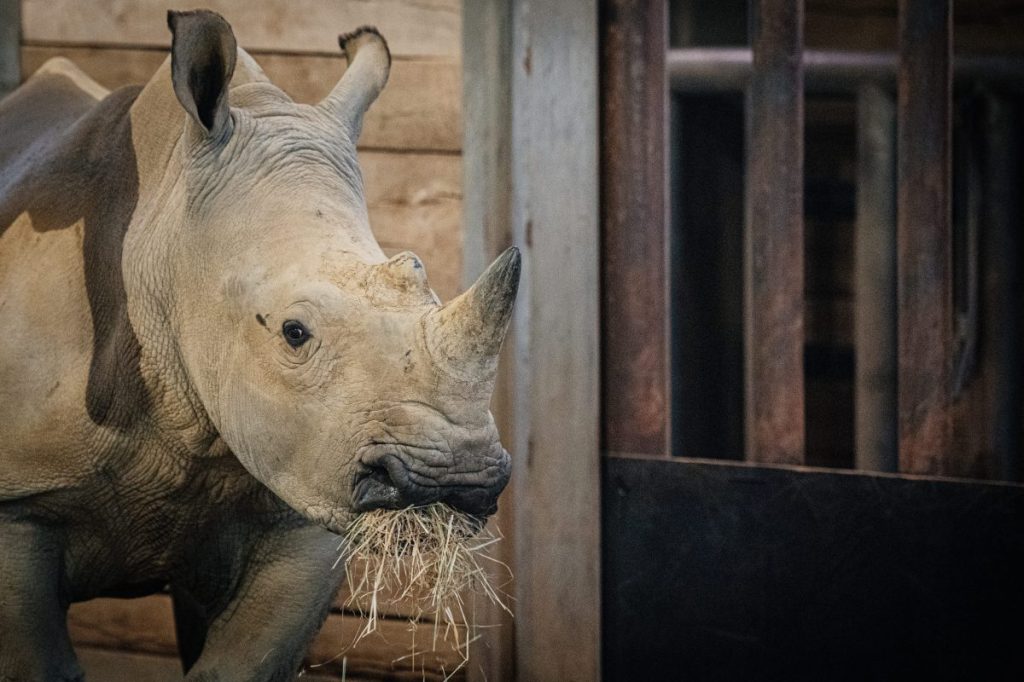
(70,388)
(32,116)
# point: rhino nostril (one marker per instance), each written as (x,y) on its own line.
(375,489)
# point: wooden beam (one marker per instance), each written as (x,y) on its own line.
(486,110)
(634,240)
(775,240)
(412,27)
(875,440)
(487,231)
(531,148)
(10,45)
(925,272)
(555,221)
(104,664)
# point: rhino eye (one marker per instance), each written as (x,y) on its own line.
(295,333)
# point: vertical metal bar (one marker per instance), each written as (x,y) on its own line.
(925,275)
(10,45)
(875,439)
(1003,331)
(634,353)
(774,280)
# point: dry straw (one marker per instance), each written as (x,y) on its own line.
(427,562)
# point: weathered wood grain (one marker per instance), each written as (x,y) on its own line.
(418,110)
(143,625)
(146,626)
(412,27)
(634,239)
(386,654)
(775,236)
(925,244)
(555,221)
(487,231)
(104,665)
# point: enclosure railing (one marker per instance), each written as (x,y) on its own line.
(915,345)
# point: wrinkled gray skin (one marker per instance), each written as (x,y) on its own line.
(158,426)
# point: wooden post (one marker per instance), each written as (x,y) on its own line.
(774,283)
(925,273)
(634,240)
(10,45)
(531,96)
(555,220)
(875,282)
(487,231)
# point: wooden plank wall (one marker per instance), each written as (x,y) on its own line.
(410,152)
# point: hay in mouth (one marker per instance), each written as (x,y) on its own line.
(432,558)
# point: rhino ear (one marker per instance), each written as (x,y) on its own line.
(369,63)
(203,53)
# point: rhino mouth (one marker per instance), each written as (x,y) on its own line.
(387,484)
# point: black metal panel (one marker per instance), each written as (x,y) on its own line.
(730,571)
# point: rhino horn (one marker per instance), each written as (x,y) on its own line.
(369,63)
(467,332)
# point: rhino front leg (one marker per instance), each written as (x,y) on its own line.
(281,602)
(34,642)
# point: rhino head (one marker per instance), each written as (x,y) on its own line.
(331,372)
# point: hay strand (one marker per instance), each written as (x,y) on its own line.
(430,558)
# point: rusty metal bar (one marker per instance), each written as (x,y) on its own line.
(717,69)
(774,278)
(634,282)
(925,274)
(875,439)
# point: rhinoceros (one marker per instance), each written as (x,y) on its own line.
(208,364)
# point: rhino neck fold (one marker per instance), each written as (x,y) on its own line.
(157,143)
